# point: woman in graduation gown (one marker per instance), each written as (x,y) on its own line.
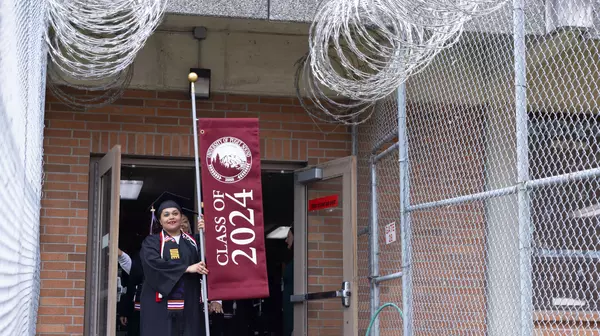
(171,295)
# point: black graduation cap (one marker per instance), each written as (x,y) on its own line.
(182,201)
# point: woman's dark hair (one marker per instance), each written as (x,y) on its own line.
(292,230)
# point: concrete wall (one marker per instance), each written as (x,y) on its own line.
(245,56)
(305,10)
(258,57)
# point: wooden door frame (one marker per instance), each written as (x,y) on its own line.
(345,168)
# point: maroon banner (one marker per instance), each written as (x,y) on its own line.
(233,211)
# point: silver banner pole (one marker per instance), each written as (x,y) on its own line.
(193,77)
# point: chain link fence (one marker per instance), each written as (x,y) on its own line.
(497,200)
(22,87)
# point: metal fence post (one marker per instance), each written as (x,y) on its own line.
(374,242)
(405,232)
(354,140)
(522,168)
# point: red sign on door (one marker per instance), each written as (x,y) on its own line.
(323,203)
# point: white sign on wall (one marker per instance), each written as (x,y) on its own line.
(390,233)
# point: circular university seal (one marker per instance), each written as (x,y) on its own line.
(229,159)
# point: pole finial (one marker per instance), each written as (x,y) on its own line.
(192,77)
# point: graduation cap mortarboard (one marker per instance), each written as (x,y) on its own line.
(165,200)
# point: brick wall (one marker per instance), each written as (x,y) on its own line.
(152,123)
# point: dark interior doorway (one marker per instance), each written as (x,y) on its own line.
(251,317)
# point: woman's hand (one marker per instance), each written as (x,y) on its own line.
(199,268)
(200,224)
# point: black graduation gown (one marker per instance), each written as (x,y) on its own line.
(162,276)
(136,278)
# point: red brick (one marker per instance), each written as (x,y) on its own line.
(63,107)
(162,121)
(308,135)
(139,94)
(51,311)
(56,239)
(50,328)
(59,116)
(174,129)
(178,95)
(138,143)
(230,107)
(55,319)
(59,194)
(297,112)
(57,150)
(96,126)
(129,102)
(161,103)
(57,248)
(242,99)
(91,117)
(162,112)
(110,109)
(299,127)
(61,159)
(241,115)
(139,128)
(58,124)
(57,168)
(146,111)
(81,134)
(264,108)
(48,132)
(126,119)
(277,100)
(58,284)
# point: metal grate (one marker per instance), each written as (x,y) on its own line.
(22,88)
(501,199)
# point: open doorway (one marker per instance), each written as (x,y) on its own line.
(248,317)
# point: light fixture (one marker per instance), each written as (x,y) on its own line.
(202,85)
(130,189)
(279,233)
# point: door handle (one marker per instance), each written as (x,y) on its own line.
(343,293)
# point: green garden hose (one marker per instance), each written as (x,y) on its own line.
(377,314)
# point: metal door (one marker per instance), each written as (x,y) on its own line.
(101,308)
(325,246)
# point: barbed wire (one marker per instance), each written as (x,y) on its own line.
(102,94)
(363,50)
(94,44)
(99,39)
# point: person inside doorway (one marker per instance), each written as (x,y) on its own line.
(129,307)
(171,295)
(288,287)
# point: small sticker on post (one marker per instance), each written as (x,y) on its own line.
(105,241)
(390,233)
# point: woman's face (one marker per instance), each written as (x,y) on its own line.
(170,219)
(185,224)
